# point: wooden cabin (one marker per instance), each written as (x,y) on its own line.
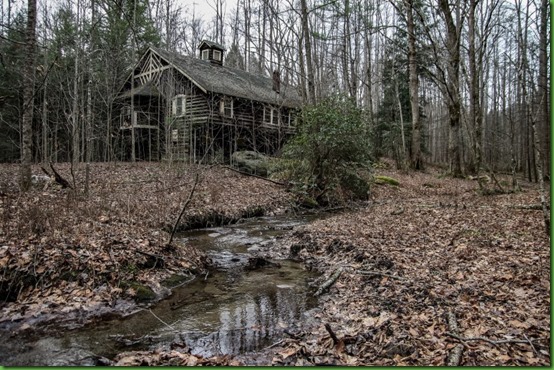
(175,107)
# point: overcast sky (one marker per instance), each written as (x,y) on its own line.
(202,8)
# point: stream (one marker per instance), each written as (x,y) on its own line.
(231,310)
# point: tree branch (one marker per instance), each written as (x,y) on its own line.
(184,208)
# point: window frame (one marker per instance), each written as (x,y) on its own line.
(216,55)
(175,105)
(226,107)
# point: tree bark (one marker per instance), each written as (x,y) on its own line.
(308,52)
(416,162)
(28,94)
(543,100)
(452,88)
(474,101)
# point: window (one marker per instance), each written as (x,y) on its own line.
(179,105)
(174,135)
(226,107)
(269,116)
(217,55)
(206,54)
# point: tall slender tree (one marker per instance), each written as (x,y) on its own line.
(28,95)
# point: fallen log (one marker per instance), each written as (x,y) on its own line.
(455,356)
(329,282)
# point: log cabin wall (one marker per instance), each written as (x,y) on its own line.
(198,125)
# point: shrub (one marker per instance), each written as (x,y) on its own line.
(327,157)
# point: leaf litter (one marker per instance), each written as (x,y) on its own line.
(67,259)
(415,253)
(450,249)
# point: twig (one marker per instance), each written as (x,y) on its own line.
(274,344)
(163,322)
(361,272)
(327,284)
(184,208)
(531,344)
(184,282)
(490,341)
(534,207)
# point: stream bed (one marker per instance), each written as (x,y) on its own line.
(232,310)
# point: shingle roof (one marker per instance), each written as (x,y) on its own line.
(211,44)
(230,81)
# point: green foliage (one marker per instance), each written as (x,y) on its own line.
(330,148)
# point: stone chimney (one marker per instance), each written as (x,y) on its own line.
(276,82)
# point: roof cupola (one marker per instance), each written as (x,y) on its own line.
(212,52)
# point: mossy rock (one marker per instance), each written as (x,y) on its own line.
(308,202)
(143,293)
(384,180)
(355,184)
(251,162)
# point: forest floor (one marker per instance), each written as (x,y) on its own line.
(430,248)
(422,251)
(67,258)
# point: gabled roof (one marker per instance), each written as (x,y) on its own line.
(230,81)
(211,45)
(148,89)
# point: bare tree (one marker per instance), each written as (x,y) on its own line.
(28,97)
(415,154)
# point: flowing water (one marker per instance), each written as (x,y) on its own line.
(231,310)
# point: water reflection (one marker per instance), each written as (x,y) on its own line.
(246,317)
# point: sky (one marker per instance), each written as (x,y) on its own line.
(202,8)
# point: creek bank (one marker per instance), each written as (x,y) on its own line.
(414,256)
(243,304)
(73,259)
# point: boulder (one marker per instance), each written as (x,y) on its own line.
(251,162)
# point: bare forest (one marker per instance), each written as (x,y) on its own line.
(407,182)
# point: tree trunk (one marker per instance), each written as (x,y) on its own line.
(416,162)
(543,100)
(308,50)
(452,89)
(28,92)
(474,101)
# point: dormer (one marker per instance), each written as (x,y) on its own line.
(212,52)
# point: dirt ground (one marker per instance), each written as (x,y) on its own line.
(67,257)
(423,251)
